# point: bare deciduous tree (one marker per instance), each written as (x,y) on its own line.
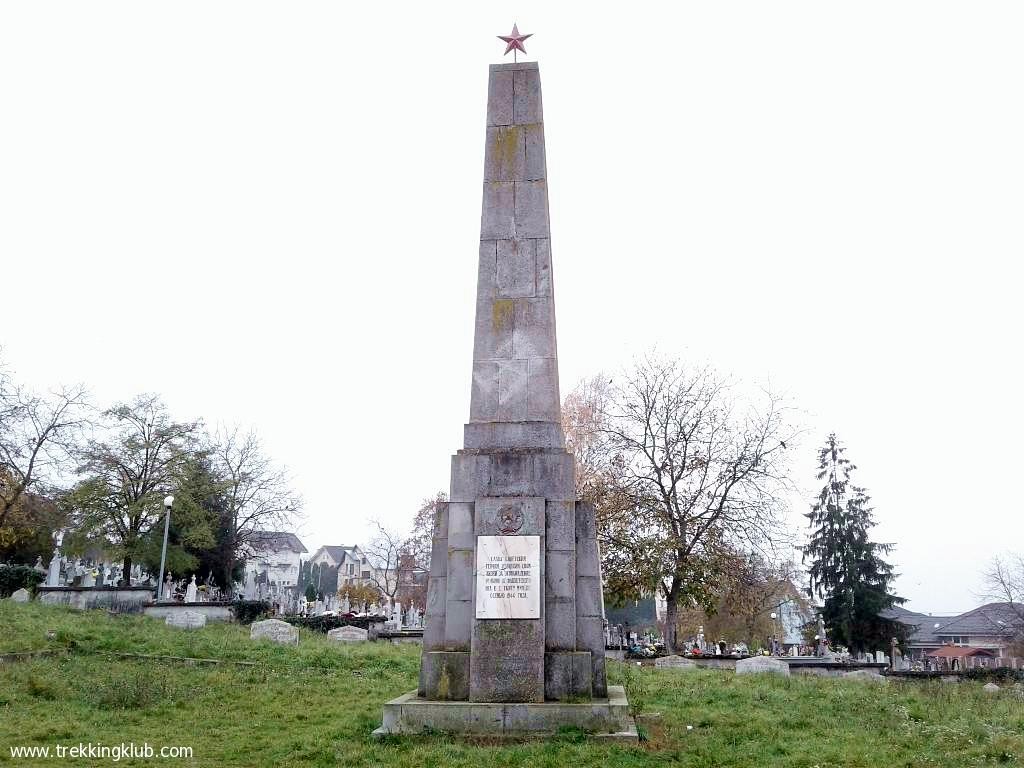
(582,414)
(691,474)
(420,541)
(38,433)
(258,495)
(1004,579)
(391,555)
(399,563)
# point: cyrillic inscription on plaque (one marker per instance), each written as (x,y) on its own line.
(508,577)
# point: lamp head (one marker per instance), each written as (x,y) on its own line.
(169,501)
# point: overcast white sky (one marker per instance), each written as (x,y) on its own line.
(268,213)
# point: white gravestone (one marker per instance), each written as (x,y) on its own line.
(250,586)
(868,675)
(276,630)
(508,577)
(674,662)
(53,574)
(21,596)
(758,664)
(348,635)
(186,620)
(191,591)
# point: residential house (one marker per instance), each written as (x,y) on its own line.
(337,566)
(990,629)
(276,557)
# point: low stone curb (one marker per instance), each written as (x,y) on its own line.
(11,658)
(181,659)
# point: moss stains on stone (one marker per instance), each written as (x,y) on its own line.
(506,148)
(443,684)
(501,314)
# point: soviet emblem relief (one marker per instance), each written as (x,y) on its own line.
(510,519)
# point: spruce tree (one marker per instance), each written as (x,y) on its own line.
(847,568)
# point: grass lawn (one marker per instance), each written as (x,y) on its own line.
(316,705)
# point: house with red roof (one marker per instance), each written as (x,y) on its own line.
(991,631)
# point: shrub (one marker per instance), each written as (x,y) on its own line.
(248,611)
(999,674)
(15,577)
(327,622)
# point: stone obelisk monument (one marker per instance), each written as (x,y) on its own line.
(514,609)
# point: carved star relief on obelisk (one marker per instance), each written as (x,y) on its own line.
(515,41)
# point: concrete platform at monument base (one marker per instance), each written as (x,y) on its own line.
(605,719)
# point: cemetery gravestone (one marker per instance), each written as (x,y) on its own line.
(348,634)
(53,573)
(276,630)
(762,664)
(867,675)
(20,596)
(674,662)
(186,620)
(251,592)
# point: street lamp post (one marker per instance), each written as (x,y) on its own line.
(168,503)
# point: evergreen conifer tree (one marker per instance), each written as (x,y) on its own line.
(847,568)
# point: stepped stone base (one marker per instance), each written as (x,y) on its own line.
(602,718)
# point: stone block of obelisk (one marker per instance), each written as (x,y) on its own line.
(514,610)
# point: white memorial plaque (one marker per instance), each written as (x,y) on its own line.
(508,577)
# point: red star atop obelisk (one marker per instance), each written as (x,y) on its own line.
(515,41)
